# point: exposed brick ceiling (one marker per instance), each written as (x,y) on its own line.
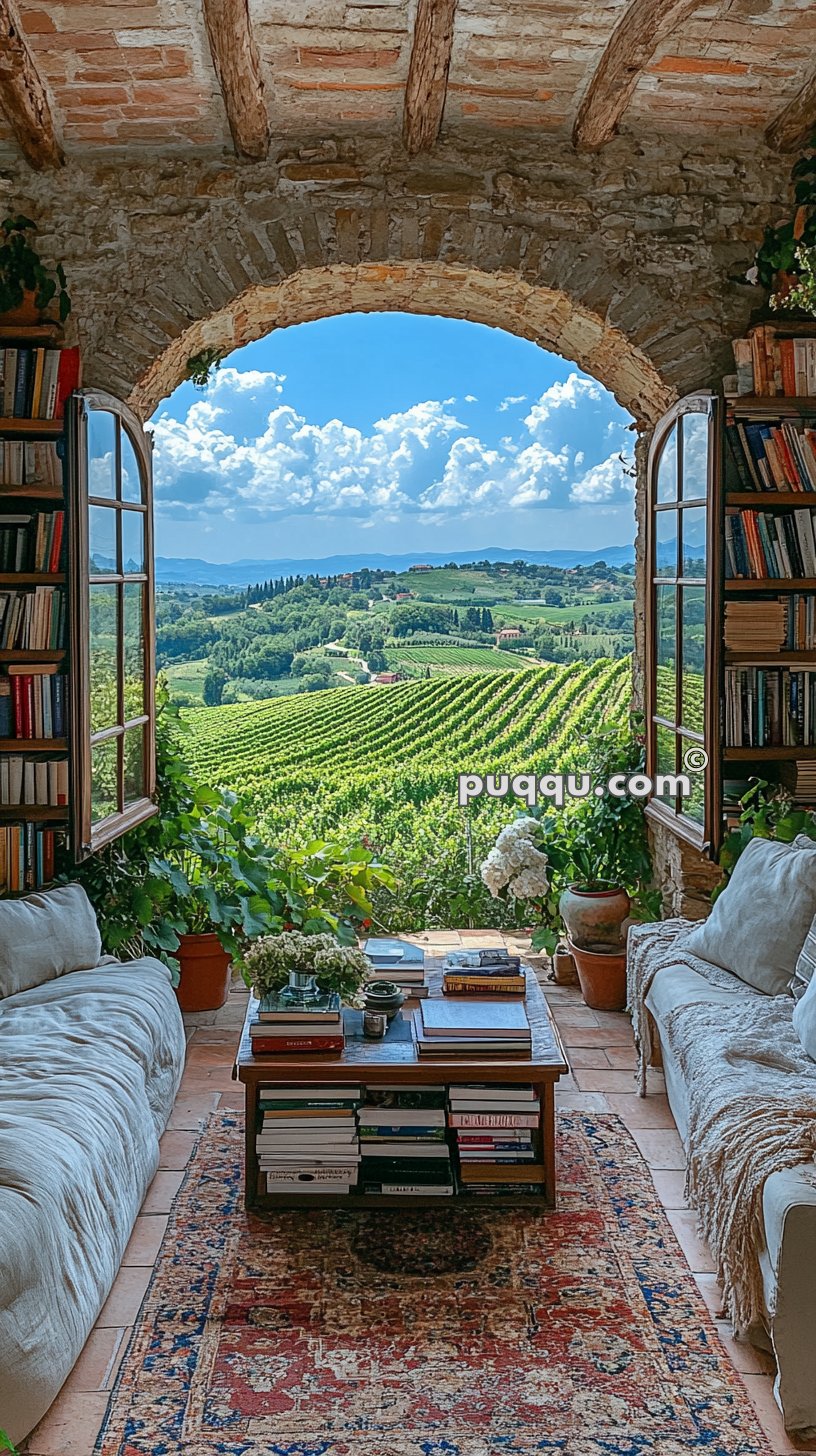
(140,74)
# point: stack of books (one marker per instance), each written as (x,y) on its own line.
(472,1028)
(482,973)
(770,364)
(799,778)
(307,1139)
(756,626)
(403,1142)
(283,1029)
(778,544)
(399,961)
(495,1130)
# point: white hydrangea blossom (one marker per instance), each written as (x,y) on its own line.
(516,864)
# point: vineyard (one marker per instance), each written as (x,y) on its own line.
(450,661)
(382,764)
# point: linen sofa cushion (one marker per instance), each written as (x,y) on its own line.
(806,965)
(804,1019)
(758,925)
(46,935)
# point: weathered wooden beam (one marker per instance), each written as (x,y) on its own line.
(238,68)
(796,121)
(633,42)
(23,96)
(427,83)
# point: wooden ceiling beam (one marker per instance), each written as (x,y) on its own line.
(796,122)
(633,42)
(238,68)
(23,97)
(427,84)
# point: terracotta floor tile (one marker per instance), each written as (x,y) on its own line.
(235,1097)
(439,937)
(642,1112)
(97,1365)
(581,1101)
(623,1056)
(206,1054)
(199,1080)
(760,1389)
(694,1246)
(124,1301)
(175,1150)
(189,1113)
(711,1292)
(211,1036)
(745,1358)
(145,1241)
(670,1185)
(71,1425)
(588,1057)
(162,1191)
(572,1017)
(587,1036)
(660,1147)
(604,1079)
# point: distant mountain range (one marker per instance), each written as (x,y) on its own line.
(189,571)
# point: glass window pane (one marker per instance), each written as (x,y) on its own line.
(134,650)
(133,523)
(132,489)
(102,539)
(667,468)
(695,457)
(666,642)
(693,628)
(102,454)
(104,625)
(134,765)
(666,530)
(104,791)
(694,542)
(666,762)
(693,806)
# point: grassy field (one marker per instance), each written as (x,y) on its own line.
(452,661)
(188,677)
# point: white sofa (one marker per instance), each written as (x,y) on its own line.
(90,1063)
(787,1248)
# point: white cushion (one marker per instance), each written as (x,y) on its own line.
(806,964)
(759,923)
(804,1019)
(46,935)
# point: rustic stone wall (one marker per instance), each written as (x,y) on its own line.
(686,878)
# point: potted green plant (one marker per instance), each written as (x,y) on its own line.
(785,263)
(5,1443)
(304,966)
(28,288)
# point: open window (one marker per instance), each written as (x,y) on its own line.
(112,621)
(682,639)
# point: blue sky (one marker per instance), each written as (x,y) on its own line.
(390,433)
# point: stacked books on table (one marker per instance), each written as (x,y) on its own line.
(482,973)
(403,1142)
(279,1027)
(399,961)
(799,777)
(307,1139)
(472,1028)
(495,1130)
(756,626)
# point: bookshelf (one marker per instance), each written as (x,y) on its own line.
(746,457)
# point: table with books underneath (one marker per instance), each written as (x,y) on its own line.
(456,1100)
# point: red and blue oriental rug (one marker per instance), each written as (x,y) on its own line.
(457,1333)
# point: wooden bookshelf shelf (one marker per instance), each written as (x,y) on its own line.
(766,755)
(48,332)
(769,583)
(31,429)
(771,659)
(22,654)
(39,813)
(774,499)
(33,745)
(32,578)
(30,492)
(771,404)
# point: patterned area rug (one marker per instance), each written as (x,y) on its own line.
(457,1333)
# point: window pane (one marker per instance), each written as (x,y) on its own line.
(134,765)
(131,474)
(666,529)
(694,806)
(666,748)
(104,793)
(667,469)
(104,612)
(102,454)
(694,542)
(134,650)
(695,457)
(666,639)
(102,539)
(693,617)
(132,541)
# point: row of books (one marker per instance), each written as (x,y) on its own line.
(26,462)
(35,383)
(281,1027)
(403,1142)
(496,1137)
(307,1139)
(482,973)
(762,544)
(34,620)
(39,782)
(28,854)
(399,961)
(31,542)
(769,707)
(473,1027)
(768,364)
(32,701)
(773,457)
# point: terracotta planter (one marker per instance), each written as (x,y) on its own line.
(564,972)
(601,976)
(205,973)
(25,314)
(594,916)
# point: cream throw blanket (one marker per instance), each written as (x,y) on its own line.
(752,1105)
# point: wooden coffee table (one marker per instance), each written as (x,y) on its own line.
(397,1063)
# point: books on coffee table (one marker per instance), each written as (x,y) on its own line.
(497,1138)
(403,1142)
(399,961)
(278,1027)
(471,1027)
(483,973)
(307,1139)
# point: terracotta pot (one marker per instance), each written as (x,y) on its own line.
(25,314)
(594,916)
(205,973)
(564,972)
(601,976)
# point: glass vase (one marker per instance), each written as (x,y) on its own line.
(302,989)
